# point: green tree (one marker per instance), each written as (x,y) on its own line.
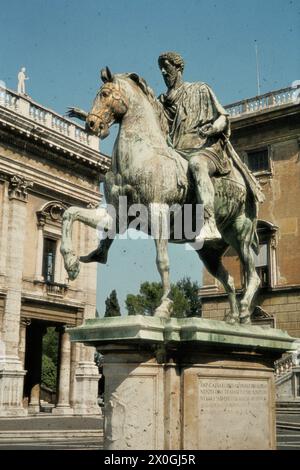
(146,301)
(180,302)
(185,296)
(191,292)
(50,358)
(151,293)
(112,308)
(134,304)
(49,372)
(50,344)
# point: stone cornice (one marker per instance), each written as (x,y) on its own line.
(264,116)
(263,291)
(62,303)
(41,136)
(133,330)
(50,185)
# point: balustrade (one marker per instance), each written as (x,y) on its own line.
(286,363)
(43,116)
(263,102)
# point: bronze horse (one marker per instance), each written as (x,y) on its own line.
(147,171)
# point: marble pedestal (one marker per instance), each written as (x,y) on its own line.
(186,383)
(11,387)
(87,378)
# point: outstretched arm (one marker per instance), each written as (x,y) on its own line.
(77,113)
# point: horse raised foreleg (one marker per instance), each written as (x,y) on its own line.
(99,255)
(91,217)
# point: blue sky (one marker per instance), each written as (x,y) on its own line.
(63,45)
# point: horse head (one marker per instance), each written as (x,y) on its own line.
(109,105)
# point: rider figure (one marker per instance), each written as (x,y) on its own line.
(198,130)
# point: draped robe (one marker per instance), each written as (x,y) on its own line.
(187,109)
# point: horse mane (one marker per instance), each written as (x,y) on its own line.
(149,93)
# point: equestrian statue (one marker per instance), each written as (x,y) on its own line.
(173,151)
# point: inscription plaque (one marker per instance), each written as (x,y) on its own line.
(233,413)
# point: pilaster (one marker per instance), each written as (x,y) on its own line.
(11,367)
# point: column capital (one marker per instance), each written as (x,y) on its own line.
(18,187)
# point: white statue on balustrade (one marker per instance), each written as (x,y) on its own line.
(21,81)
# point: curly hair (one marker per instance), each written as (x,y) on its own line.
(173,58)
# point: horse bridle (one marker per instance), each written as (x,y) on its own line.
(116,98)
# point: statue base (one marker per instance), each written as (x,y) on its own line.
(11,387)
(186,383)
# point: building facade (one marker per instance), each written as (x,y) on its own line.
(266,135)
(47,163)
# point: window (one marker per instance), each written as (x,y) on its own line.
(49,259)
(262,264)
(266,261)
(258,160)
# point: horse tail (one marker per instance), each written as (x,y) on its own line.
(255,242)
(252,213)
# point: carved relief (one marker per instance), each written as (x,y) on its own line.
(25,322)
(125,428)
(51,212)
(116,412)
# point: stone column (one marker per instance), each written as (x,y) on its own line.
(36,367)
(11,369)
(87,376)
(4,215)
(22,344)
(63,405)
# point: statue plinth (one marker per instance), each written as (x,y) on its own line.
(186,383)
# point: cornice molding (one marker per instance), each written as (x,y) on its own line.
(49,185)
(264,116)
(39,135)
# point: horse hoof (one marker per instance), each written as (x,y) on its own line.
(73,270)
(232,321)
(95,256)
(162,314)
(245,320)
(164,310)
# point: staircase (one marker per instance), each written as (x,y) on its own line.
(287,380)
(51,432)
